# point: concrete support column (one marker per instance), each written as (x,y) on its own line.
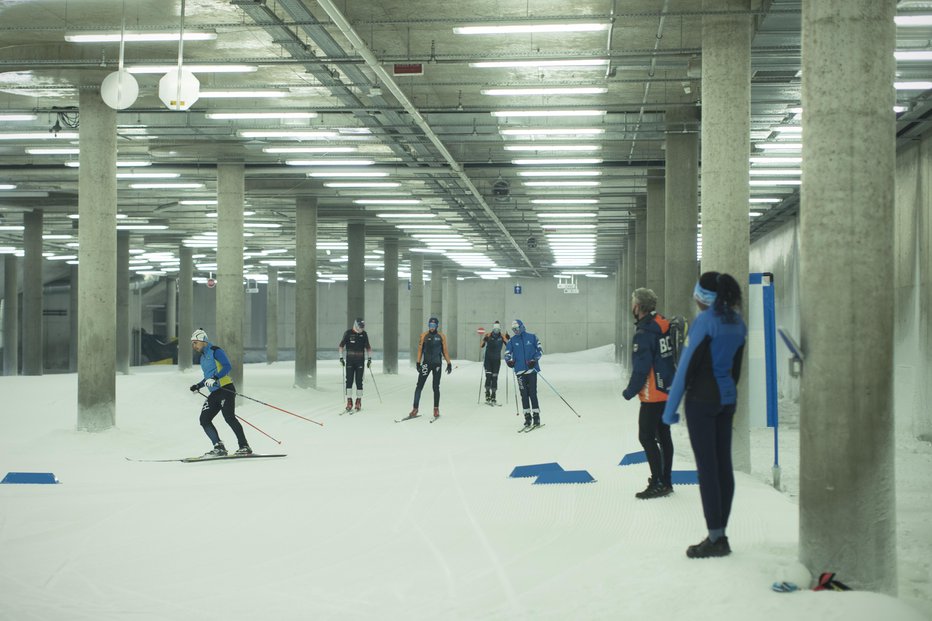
(97,249)
(271,317)
(681,201)
(123,333)
(655,235)
(73,324)
(185,307)
(10,316)
(640,243)
(231,296)
(171,308)
(390,309)
(305,329)
(621,309)
(452,315)
(356,272)
(418,321)
(726,136)
(436,292)
(32,343)
(846,481)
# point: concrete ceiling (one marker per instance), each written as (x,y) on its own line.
(433,134)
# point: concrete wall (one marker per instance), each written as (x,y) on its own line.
(909,295)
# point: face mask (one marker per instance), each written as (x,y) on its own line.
(515,327)
(496,328)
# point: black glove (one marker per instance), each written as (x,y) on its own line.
(342,362)
(424,369)
(369,363)
(195,387)
(531,364)
(510,363)
(449,368)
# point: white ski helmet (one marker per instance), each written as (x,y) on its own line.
(199,335)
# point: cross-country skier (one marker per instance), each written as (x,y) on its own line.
(523,353)
(358,352)
(652,372)
(707,381)
(492,361)
(431,352)
(222,398)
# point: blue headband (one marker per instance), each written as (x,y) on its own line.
(704,296)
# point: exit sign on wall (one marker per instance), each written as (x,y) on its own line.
(408,69)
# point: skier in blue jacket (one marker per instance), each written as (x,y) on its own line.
(222,398)
(707,379)
(522,353)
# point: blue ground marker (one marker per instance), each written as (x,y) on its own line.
(568,476)
(633,458)
(30,477)
(684,477)
(534,470)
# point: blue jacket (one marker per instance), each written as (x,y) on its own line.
(710,366)
(652,367)
(522,348)
(214,363)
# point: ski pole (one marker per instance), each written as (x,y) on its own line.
(558,394)
(246,421)
(481,375)
(372,375)
(515,376)
(239,394)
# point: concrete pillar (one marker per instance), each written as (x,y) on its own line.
(655,235)
(640,243)
(171,308)
(32,343)
(10,316)
(681,201)
(305,333)
(231,296)
(621,310)
(417,319)
(726,136)
(73,324)
(847,501)
(185,307)
(390,309)
(436,292)
(356,272)
(97,250)
(271,317)
(452,315)
(123,334)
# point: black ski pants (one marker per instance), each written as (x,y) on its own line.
(655,437)
(222,400)
(710,435)
(354,372)
(527,385)
(492,365)
(422,379)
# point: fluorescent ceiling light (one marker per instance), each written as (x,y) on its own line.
(286,134)
(310,149)
(425,227)
(754,214)
(53,151)
(913,54)
(18,117)
(774,182)
(7,186)
(166,186)
(546,113)
(363,184)
(406,215)
(387,201)
(914,85)
(347,174)
(329,162)
(549,90)
(148,175)
(11,227)
(566,214)
(518,64)
(40,136)
(427,250)
(766,200)
(560,184)
(193,69)
(198,202)
(779,146)
(552,147)
(584,131)
(141,227)
(787,129)
(564,201)
(53,236)
(245,94)
(561,161)
(232,116)
(261,225)
(126,164)
(568,226)
(912,20)
(62,257)
(776,172)
(559,173)
(115,37)
(530,28)
(767,159)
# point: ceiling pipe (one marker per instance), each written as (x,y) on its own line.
(356,41)
(650,74)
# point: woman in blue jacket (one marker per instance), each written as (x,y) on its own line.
(707,379)
(522,353)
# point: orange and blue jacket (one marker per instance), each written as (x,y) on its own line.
(652,367)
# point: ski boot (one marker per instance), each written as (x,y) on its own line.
(243,450)
(218,451)
(358,403)
(488,396)
(492,398)
(527,420)
(349,404)
(412,413)
(436,412)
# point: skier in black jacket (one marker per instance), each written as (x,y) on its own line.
(492,361)
(358,352)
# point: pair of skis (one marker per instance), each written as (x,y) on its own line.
(401,420)
(530,428)
(191,460)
